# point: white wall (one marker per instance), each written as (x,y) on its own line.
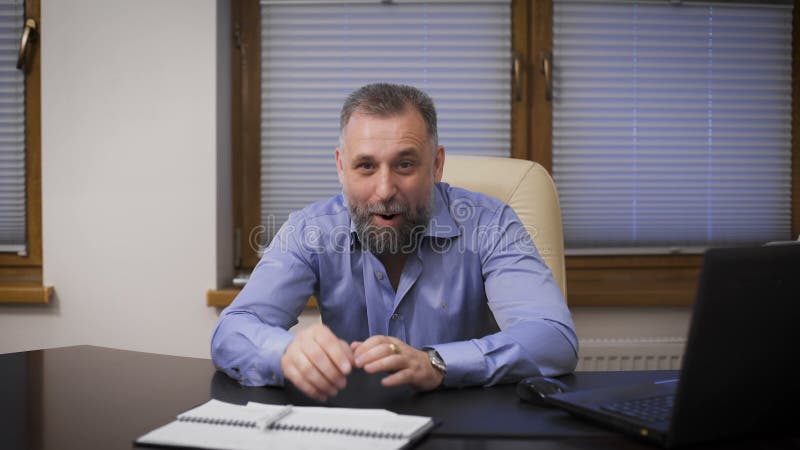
(136,213)
(130,139)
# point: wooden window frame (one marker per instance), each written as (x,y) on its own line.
(637,280)
(21,276)
(246,130)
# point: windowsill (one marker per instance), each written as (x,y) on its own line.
(224,297)
(647,289)
(24,293)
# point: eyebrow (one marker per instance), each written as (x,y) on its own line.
(409,152)
(361,157)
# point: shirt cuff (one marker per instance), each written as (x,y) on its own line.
(266,367)
(465,363)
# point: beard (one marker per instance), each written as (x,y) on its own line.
(388,240)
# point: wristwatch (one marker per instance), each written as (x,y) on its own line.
(437,361)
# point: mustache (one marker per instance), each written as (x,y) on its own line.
(386,209)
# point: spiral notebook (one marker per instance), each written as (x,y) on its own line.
(227,426)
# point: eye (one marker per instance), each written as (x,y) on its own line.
(405,165)
(365,166)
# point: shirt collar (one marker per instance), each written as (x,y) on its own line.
(440,225)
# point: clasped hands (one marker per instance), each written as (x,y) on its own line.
(317,362)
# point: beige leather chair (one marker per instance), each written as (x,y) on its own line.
(528,189)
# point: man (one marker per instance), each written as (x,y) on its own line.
(412,276)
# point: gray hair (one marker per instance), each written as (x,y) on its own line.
(386,100)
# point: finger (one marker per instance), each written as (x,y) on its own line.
(369,344)
(310,373)
(405,376)
(391,363)
(342,357)
(292,374)
(348,352)
(354,345)
(321,361)
(378,352)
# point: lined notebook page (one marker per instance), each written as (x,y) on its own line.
(220,425)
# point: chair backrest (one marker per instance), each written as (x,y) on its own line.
(528,189)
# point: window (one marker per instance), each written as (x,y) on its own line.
(672,125)
(311,56)
(745,113)
(20,174)
(12,130)
(595,279)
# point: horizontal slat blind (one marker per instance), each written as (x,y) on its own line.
(672,124)
(314,55)
(12,130)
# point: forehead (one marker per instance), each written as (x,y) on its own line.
(406,129)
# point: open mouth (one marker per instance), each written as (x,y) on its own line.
(387,216)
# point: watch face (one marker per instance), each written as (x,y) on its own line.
(437,360)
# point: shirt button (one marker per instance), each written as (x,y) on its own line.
(379,275)
(395,316)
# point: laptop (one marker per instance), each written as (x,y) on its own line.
(739,373)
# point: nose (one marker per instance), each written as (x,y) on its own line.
(386,185)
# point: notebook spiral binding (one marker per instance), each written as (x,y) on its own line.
(219,421)
(290,427)
(347,431)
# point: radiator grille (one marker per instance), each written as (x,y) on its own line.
(631,354)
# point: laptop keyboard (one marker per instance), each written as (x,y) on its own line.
(649,409)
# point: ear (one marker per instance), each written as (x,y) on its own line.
(438,164)
(339,165)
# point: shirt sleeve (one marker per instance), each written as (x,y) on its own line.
(537,335)
(252,333)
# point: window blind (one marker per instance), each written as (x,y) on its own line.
(12,130)
(316,53)
(672,124)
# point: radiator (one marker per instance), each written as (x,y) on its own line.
(631,354)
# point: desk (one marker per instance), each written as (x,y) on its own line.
(88,397)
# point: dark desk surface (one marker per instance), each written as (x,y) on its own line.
(97,398)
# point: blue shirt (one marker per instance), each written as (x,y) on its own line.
(475,289)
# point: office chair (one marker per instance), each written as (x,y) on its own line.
(528,189)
